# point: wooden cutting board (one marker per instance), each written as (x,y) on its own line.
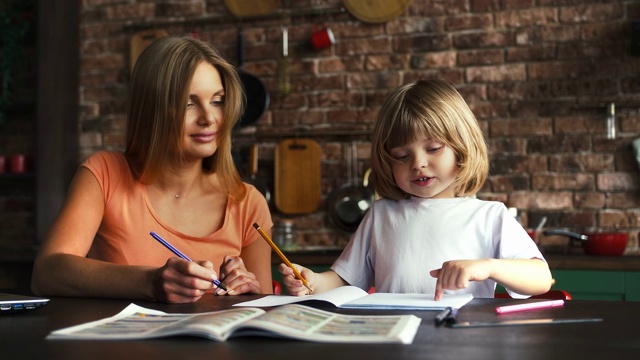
(376,11)
(297,176)
(142,39)
(245,8)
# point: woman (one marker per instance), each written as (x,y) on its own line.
(176,178)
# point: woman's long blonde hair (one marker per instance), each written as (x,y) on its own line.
(157,104)
(434,109)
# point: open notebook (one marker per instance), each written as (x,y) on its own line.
(351,297)
(13,303)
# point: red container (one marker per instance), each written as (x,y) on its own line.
(599,244)
(605,244)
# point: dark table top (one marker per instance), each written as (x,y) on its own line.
(22,336)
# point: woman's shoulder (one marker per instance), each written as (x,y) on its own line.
(106,158)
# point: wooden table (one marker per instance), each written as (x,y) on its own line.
(617,337)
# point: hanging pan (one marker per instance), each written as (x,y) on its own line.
(254,90)
(349,203)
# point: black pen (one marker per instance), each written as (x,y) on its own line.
(443,315)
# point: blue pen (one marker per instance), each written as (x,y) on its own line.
(181,255)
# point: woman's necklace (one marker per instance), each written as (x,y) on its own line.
(177,196)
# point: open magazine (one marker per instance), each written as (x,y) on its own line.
(290,321)
(352,297)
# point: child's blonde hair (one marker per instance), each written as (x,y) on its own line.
(436,110)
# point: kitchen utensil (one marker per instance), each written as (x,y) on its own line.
(601,243)
(247,8)
(376,11)
(348,204)
(322,37)
(297,176)
(253,178)
(140,40)
(255,91)
(284,79)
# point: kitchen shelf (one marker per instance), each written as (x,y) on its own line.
(226,19)
(301,134)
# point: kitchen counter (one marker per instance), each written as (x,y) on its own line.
(556,261)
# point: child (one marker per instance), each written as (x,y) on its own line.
(427,233)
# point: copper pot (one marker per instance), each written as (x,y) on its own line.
(599,244)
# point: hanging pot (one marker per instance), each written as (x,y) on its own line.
(348,204)
(600,243)
(254,90)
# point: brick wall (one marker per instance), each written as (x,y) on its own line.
(537,74)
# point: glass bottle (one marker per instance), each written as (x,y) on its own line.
(285,234)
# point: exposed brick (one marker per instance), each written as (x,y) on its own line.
(379,62)
(430,60)
(590,13)
(541,200)
(562,181)
(524,18)
(590,200)
(363,46)
(131,11)
(482,21)
(504,146)
(618,219)
(626,200)
(373,80)
(518,164)
(482,40)
(533,53)
(515,72)
(581,162)
(426,42)
(560,33)
(526,127)
(509,183)
(557,144)
(616,181)
(481,57)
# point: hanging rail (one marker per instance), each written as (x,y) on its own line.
(224,19)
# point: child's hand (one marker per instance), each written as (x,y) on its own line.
(294,285)
(456,274)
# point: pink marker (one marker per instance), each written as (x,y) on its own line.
(529,306)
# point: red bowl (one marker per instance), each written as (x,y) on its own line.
(605,244)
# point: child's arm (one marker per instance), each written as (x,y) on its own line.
(524,276)
(318,282)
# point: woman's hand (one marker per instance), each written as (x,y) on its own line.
(236,278)
(181,281)
(294,285)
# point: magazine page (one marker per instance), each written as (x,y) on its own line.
(337,297)
(136,322)
(310,324)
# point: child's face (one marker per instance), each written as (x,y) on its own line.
(425,168)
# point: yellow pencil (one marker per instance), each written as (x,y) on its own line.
(281,255)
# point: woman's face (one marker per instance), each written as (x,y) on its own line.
(425,168)
(204,115)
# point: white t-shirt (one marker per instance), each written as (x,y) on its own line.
(399,242)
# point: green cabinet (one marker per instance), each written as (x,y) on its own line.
(597,284)
(581,284)
(591,284)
